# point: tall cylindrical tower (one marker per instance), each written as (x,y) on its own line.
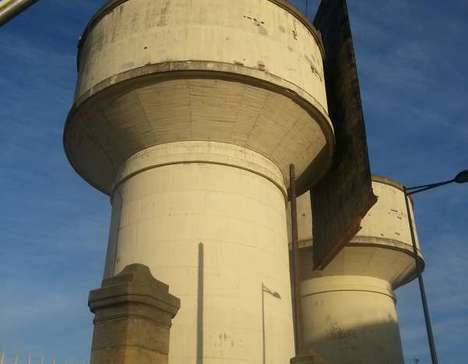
(349,313)
(187,114)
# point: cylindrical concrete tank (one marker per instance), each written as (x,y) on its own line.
(349,313)
(159,71)
(188,114)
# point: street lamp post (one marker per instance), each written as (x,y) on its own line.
(461,177)
(265,289)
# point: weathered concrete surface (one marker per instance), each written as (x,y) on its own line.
(349,313)
(351,319)
(133,314)
(382,248)
(155,72)
(188,114)
(252,34)
(210,220)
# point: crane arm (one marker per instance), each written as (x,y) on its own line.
(10,8)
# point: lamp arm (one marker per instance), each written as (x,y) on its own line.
(416,189)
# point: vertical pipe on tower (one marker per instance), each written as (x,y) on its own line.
(295,266)
(200,294)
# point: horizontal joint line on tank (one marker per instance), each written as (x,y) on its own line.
(133,174)
(199,69)
(392,296)
(391,244)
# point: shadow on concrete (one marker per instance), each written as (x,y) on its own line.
(379,343)
(200,294)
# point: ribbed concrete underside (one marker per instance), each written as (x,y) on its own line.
(110,127)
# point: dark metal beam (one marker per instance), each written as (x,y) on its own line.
(295,264)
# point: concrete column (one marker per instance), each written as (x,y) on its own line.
(209,219)
(349,317)
(133,313)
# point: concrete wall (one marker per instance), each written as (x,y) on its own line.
(255,34)
(382,248)
(212,224)
(351,319)
(388,219)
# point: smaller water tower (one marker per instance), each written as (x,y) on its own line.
(349,312)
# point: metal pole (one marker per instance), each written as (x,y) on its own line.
(295,264)
(263,326)
(10,8)
(200,304)
(422,289)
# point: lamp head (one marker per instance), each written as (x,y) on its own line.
(462,177)
(276,295)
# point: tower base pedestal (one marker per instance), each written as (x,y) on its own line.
(133,315)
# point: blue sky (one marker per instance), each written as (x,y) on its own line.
(412,58)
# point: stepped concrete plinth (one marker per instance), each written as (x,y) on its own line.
(133,315)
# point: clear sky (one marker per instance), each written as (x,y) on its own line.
(412,58)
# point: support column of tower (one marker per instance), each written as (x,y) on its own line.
(349,308)
(207,217)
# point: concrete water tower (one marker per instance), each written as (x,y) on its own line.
(349,312)
(188,115)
